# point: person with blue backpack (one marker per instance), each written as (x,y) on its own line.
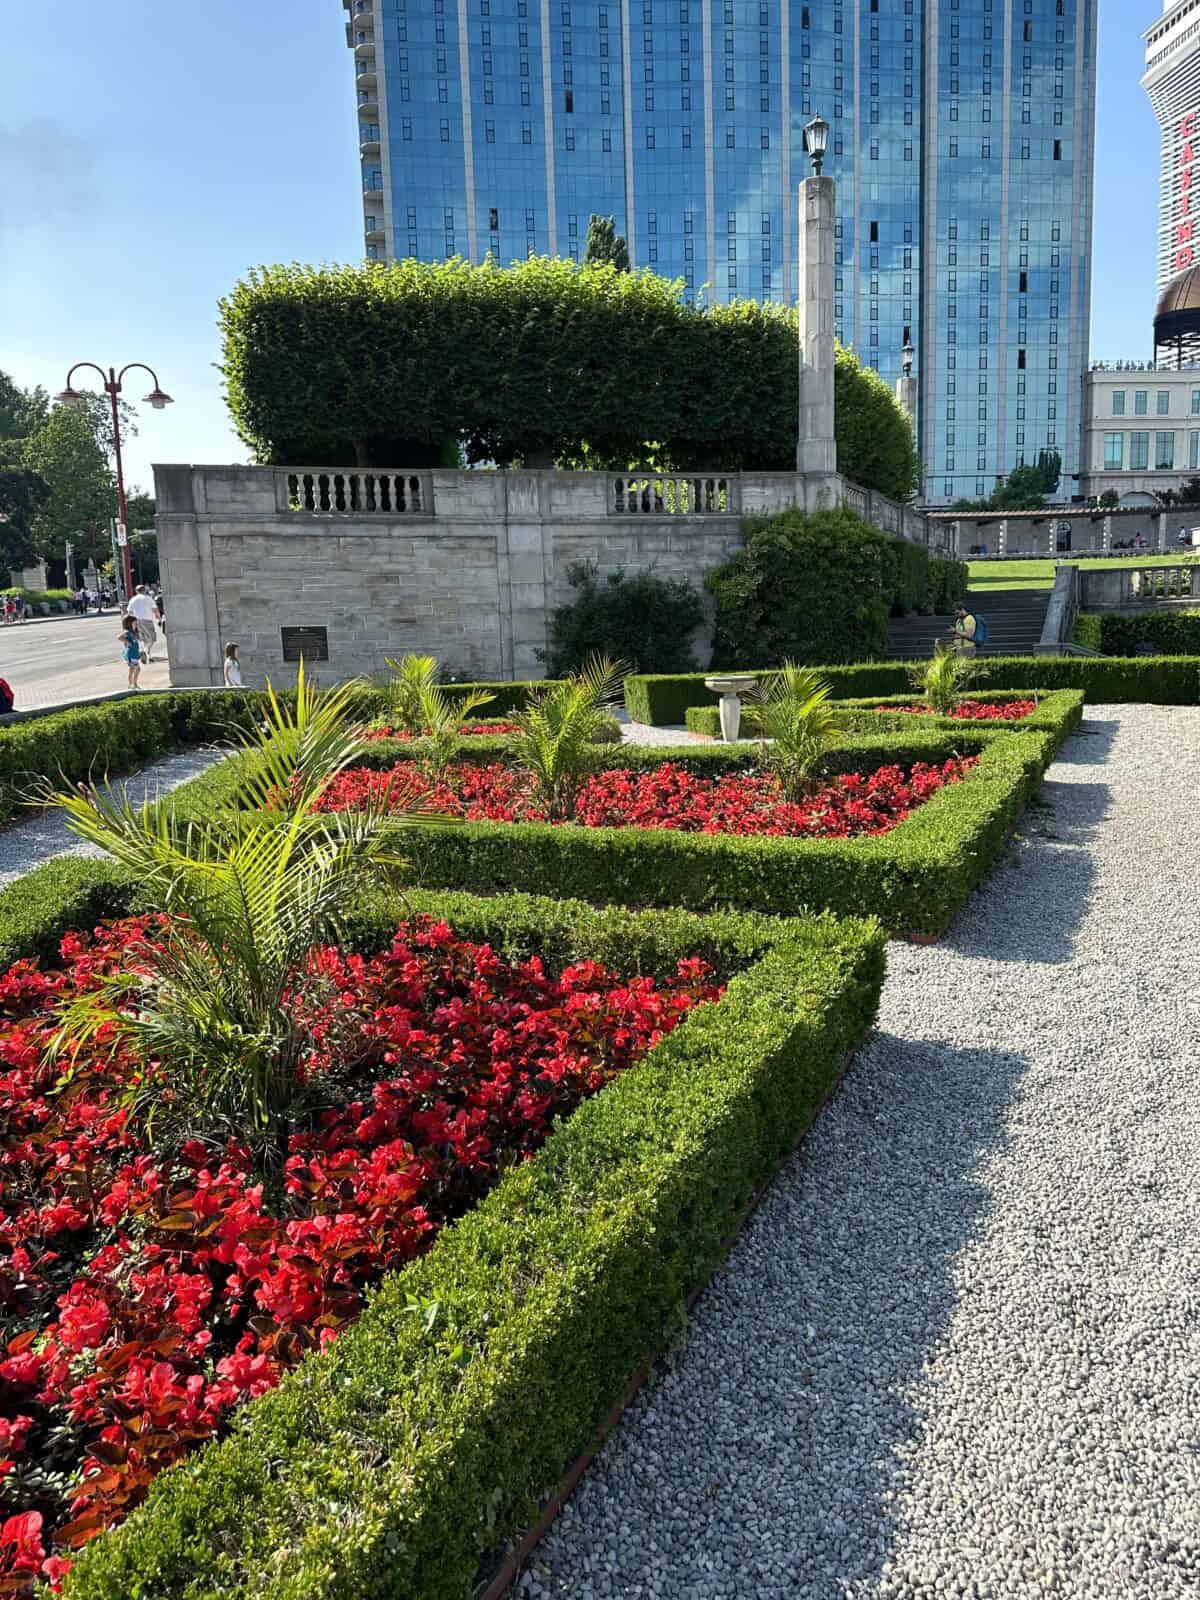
(969,631)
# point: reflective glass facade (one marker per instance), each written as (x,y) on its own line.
(960,140)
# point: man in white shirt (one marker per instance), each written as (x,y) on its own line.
(145,613)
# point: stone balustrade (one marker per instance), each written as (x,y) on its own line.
(322,490)
(675,495)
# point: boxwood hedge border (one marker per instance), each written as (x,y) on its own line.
(914,879)
(662,700)
(1059,713)
(433,1430)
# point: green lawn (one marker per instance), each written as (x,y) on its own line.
(985,575)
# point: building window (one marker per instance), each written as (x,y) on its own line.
(1194,450)
(1139,402)
(1114,452)
(1196,402)
(1118,402)
(1139,451)
(526,133)
(1164,451)
(1162,403)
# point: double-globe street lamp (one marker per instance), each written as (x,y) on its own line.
(112,387)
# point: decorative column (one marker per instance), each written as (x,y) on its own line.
(1162,532)
(906,386)
(1106,535)
(1003,536)
(816,451)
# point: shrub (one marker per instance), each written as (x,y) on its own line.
(797,724)
(812,589)
(910,576)
(942,679)
(1168,632)
(522,364)
(947,584)
(425,1437)
(559,742)
(641,620)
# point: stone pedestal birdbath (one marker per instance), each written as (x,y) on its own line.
(730,689)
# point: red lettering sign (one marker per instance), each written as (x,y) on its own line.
(1184,254)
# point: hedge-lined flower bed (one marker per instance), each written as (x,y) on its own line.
(913,877)
(666,796)
(1057,712)
(663,700)
(145,1298)
(396,1460)
(973,710)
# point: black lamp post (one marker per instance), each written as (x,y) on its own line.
(816,137)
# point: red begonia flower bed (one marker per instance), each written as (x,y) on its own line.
(466,732)
(142,1300)
(669,796)
(976,710)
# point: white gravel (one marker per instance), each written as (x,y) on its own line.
(957,1351)
(27,844)
(647,733)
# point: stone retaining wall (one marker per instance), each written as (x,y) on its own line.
(462,565)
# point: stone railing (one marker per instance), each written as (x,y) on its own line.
(346,492)
(675,495)
(1151,584)
(1126,588)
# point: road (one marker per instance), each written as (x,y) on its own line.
(72,659)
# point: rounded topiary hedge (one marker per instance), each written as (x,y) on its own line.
(539,362)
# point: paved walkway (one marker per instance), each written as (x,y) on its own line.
(957,1351)
(27,844)
(75,659)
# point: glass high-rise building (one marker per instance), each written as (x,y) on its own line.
(1172,80)
(961,139)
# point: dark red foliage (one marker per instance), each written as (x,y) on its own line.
(976,710)
(142,1298)
(668,796)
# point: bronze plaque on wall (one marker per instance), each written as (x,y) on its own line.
(307,644)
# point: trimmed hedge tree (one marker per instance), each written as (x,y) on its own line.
(815,589)
(1167,632)
(391,365)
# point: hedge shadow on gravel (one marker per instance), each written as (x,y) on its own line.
(1040,888)
(1091,743)
(802,1352)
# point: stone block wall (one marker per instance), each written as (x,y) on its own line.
(470,576)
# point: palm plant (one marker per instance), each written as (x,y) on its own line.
(411,677)
(214,1010)
(561,727)
(442,715)
(942,680)
(797,726)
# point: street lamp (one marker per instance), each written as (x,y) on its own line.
(816,137)
(906,358)
(157,398)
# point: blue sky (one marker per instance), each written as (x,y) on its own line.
(152,150)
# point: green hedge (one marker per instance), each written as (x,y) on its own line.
(662,699)
(1059,712)
(947,584)
(396,1462)
(520,363)
(914,878)
(1169,632)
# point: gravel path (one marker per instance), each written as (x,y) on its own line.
(646,733)
(957,1351)
(27,844)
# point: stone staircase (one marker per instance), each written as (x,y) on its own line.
(1014,618)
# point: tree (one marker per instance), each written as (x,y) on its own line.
(1108,500)
(22,495)
(82,491)
(1023,490)
(143,556)
(1049,465)
(139,511)
(97,408)
(605,246)
(22,411)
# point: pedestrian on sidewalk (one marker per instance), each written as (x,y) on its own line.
(233,667)
(145,612)
(131,648)
(963,631)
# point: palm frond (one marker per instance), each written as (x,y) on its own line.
(797,725)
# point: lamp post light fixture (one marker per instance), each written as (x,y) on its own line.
(157,398)
(816,137)
(906,358)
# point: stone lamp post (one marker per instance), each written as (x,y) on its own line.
(816,451)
